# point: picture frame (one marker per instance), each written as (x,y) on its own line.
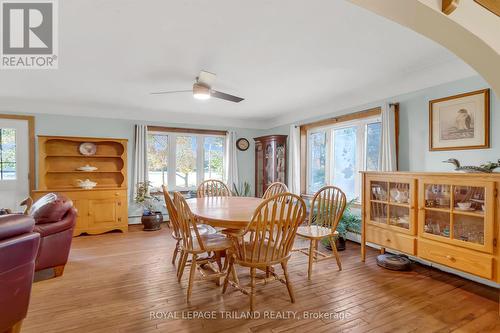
(460,122)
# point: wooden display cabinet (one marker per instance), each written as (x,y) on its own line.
(452,218)
(103,208)
(270,162)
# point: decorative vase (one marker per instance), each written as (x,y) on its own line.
(152,222)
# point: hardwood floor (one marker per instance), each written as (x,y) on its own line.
(113,282)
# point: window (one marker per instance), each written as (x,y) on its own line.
(184,160)
(7,153)
(337,152)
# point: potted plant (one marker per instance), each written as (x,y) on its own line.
(349,222)
(242,191)
(151,219)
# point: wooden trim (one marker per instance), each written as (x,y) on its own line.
(31,145)
(486,144)
(396,126)
(351,116)
(186,130)
(448,6)
(491,5)
(303,160)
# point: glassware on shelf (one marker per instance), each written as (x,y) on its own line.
(437,196)
(399,217)
(379,191)
(468,228)
(378,212)
(437,223)
(399,192)
(468,199)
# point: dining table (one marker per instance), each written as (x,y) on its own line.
(224,212)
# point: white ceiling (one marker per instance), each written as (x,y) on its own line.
(290,59)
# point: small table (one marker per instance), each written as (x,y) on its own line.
(224,212)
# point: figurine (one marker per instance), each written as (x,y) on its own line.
(484,168)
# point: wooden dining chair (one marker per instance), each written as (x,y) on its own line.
(327,208)
(176,232)
(275,188)
(195,244)
(212,188)
(268,241)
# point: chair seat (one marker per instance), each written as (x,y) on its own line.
(315,231)
(213,242)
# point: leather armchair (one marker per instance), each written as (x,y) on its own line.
(55,219)
(18,249)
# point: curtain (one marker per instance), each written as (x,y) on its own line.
(388,146)
(140,155)
(231,161)
(294,160)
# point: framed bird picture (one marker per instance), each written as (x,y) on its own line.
(460,122)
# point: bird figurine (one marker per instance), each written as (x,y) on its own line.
(483,168)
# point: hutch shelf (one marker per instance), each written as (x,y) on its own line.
(270,162)
(100,209)
(448,218)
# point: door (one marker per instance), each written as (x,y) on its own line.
(104,213)
(14,163)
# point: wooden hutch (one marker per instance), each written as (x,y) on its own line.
(100,209)
(270,162)
(447,218)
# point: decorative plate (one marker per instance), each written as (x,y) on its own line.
(242,144)
(87,148)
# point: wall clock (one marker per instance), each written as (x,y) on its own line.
(242,144)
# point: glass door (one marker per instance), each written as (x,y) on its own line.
(458,214)
(391,204)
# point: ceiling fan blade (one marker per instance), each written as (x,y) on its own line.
(227,97)
(206,78)
(170,92)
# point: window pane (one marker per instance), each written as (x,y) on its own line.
(158,159)
(344,171)
(7,153)
(317,161)
(373,141)
(185,160)
(213,163)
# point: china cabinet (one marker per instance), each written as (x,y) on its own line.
(67,165)
(270,161)
(446,218)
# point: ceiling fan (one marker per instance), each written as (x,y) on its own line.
(202,89)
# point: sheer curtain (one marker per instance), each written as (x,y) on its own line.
(294,160)
(388,147)
(140,156)
(231,161)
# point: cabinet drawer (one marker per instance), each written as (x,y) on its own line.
(391,239)
(465,260)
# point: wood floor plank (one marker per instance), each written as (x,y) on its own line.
(113,282)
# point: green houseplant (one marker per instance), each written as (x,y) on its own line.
(242,191)
(151,219)
(349,222)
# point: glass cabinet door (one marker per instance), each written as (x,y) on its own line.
(391,204)
(259,172)
(458,214)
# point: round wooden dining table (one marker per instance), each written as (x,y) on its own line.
(224,212)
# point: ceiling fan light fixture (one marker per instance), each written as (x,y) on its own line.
(201,92)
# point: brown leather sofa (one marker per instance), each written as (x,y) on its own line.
(55,219)
(18,249)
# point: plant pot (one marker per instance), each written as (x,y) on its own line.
(152,222)
(339,243)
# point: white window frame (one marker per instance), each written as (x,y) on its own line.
(362,125)
(200,157)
